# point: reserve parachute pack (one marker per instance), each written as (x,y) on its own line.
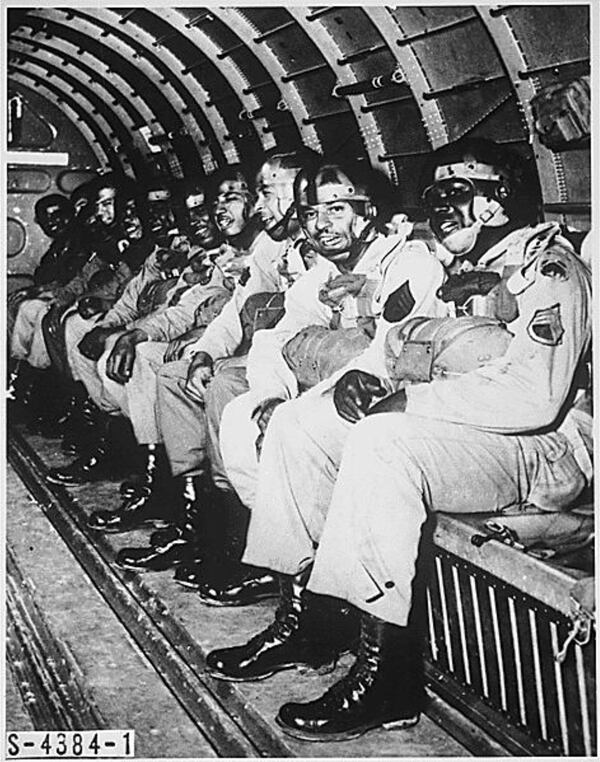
(423,349)
(316,352)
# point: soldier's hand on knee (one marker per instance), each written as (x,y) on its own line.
(354,393)
(199,375)
(92,344)
(119,365)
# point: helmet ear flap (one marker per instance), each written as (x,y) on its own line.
(371,210)
(503,191)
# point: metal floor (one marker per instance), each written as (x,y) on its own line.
(130,648)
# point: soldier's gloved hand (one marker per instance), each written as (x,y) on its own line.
(92,344)
(395,403)
(119,365)
(460,287)
(262,415)
(199,375)
(354,393)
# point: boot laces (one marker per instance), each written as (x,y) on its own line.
(135,500)
(360,678)
(285,624)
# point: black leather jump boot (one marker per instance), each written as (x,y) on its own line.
(90,465)
(19,383)
(51,398)
(156,471)
(384,688)
(211,527)
(179,542)
(79,431)
(142,506)
(23,392)
(224,580)
(298,637)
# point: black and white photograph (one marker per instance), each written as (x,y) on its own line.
(299,380)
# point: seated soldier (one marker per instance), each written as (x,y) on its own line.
(135,298)
(106,249)
(64,326)
(104,252)
(127,388)
(274,265)
(360,279)
(347,521)
(128,368)
(26,307)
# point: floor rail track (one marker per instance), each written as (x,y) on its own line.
(42,665)
(219,713)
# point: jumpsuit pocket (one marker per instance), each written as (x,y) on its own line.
(557,479)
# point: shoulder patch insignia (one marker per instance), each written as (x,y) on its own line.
(546,327)
(399,304)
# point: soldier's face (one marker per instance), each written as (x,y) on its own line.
(231,210)
(105,206)
(330,228)
(274,194)
(132,224)
(268,206)
(202,227)
(54,221)
(450,206)
(161,217)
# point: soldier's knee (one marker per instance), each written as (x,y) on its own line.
(288,417)
(380,436)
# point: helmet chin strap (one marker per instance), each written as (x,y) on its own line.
(365,229)
(488,213)
(281,230)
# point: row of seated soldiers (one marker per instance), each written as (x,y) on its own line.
(306,392)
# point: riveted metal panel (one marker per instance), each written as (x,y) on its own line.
(86,35)
(90,100)
(92,135)
(550,165)
(332,50)
(433,121)
(549,34)
(77,96)
(235,76)
(457,54)
(197,69)
(417,20)
(122,126)
(302,58)
(288,89)
(122,51)
(167,65)
(89,66)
